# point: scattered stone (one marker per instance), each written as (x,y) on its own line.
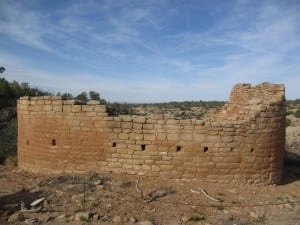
(146,222)
(98,182)
(175,222)
(121,183)
(132,219)
(61,217)
(232,191)
(31,221)
(241,199)
(117,219)
(17,216)
(289,206)
(96,217)
(108,205)
(185,219)
(226,211)
(197,217)
(100,186)
(49,218)
(254,215)
(224,218)
(242,222)
(82,216)
(59,193)
(78,197)
(35,190)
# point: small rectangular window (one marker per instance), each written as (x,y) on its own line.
(143,147)
(53,142)
(205,149)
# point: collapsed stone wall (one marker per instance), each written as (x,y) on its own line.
(243,143)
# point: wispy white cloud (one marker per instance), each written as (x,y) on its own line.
(162,47)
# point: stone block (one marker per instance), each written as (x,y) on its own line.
(139,119)
(187,137)
(172,137)
(76,108)
(148,126)
(137,125)
(123,136)
(149,137)
(126,125)
(88,108)
(100,108)
(93,102)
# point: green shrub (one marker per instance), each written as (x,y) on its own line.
(8,139)
(297,113)
(197,217)
(287,122)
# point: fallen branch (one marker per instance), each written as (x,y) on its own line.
(138,188)
(37,202)
(205,194)
(153,194)
(31,210)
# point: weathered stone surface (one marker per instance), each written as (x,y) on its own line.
(243,143)
(17,216)
(146,222)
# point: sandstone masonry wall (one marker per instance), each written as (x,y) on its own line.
(244,143)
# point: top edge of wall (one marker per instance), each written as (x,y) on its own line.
(65,102)
(264,85)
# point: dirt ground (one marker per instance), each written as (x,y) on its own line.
(116,199)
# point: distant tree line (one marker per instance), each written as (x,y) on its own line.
(83,96)
(10,92)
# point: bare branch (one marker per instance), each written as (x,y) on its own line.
(205,194)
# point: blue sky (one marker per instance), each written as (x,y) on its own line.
(151,51)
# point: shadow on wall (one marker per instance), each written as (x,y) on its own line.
(291,167)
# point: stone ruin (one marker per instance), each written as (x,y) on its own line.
(243,143)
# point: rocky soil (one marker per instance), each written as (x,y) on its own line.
(115,199)
(293,135)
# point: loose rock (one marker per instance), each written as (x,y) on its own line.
(132,219)
(96,217)
(61,217)
(80,216)
(16,217)
(117,219)
(31,221)
(146,222)
(185,219)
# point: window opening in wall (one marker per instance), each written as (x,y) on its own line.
(252,150)
(178,148)
(53,142)
(114,144)
(27,142)
(143,147)
(205,149)
(231,149)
